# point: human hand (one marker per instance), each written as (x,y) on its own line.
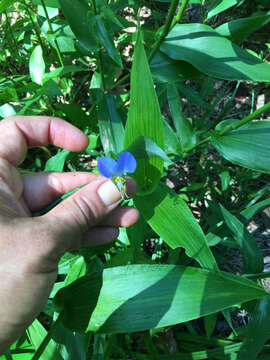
(30,247)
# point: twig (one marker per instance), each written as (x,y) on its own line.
(246,119)
(166,29)
(179,15)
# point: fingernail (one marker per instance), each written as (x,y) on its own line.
(109,193)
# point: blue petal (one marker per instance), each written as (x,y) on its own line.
(126,163)
(107,166)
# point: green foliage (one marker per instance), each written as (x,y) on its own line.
(144,119)
(175,103)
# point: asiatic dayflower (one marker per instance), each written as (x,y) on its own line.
(116,170)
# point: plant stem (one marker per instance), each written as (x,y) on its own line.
(198,144)
(246,119)
(166,29)
(52,31)
(179,15)
(46,340)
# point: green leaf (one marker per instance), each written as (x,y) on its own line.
(110,125)
(62,71)
(7,110)
(249,212)
(75,301)
(252,257)
(37,333)
(6,4)
(258,331)
(37,65)
(213,54)
(21,349)
(48,3)
(218,6)
(166,70)
(65,43)
(9,94)
(105,38)
(144,147)
(77,14)
(173,221)
(57,162)
(171,143)
(182,125)
(139,297)
(144,119)
(71,345)
(247,146)
(210,324)
(238,30)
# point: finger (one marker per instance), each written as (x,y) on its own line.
(121,217)
(41,189)
(97,236)
(19,132)
(86,208)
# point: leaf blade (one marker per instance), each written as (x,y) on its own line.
(144,119)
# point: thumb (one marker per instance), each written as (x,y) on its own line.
(87,207)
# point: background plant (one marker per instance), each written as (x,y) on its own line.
(183,86)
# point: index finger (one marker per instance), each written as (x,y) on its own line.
(17,133)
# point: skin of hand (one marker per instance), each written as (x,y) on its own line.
(30,247)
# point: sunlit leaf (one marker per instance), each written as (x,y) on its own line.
(37,65)
(173,221)
(139,297)
(213,54)
(237,30)
(247,146)
(144,119)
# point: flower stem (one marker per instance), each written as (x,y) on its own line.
(52,31)
(46,340)
(246,119)
(166,29)
(179,15)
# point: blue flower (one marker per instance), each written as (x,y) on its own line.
(116,170)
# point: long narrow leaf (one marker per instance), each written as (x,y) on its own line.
(182,125)
(110,125)
(144,119)
(140,297)
(78,14)
(252,257)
